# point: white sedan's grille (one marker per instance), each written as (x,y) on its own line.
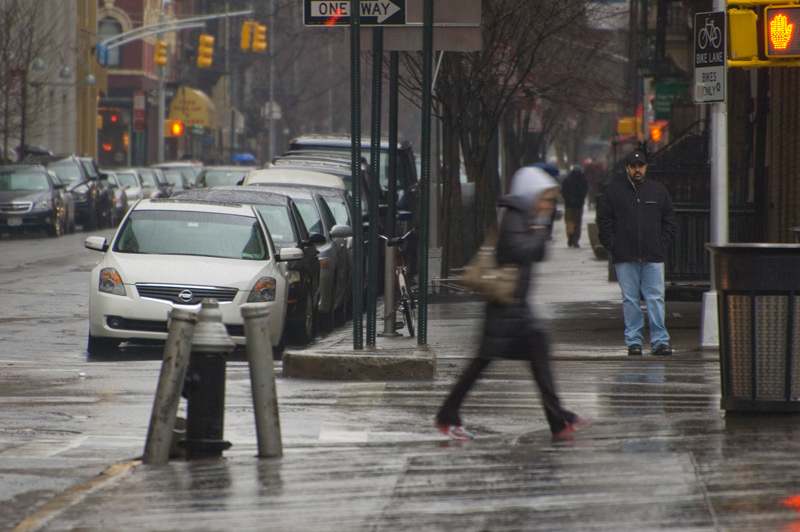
(186,295)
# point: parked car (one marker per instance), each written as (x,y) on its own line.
(334,255)
(165,188)
(406,170)
(173,254)
(94,199)
(189,169)
(287,229)
(33,197)
(133,184)
(177,181)
(120,198)
(333,192)
(213,176)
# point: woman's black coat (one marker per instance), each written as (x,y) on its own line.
(511,330)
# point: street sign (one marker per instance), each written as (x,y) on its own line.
(139,110)
(710,61)
(373,13)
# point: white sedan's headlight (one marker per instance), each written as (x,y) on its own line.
(111,282)
(43,205)
(262,291)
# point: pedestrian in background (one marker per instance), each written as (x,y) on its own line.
(574,189)
(510,330)
(636,224)
(593,170)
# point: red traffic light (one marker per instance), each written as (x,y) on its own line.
(655,133)
(176,128)
(782,30)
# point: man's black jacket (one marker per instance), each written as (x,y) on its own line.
(636,223)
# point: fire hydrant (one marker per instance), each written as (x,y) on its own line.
(205,385)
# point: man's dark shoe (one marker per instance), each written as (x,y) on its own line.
(635,350)
(662,350)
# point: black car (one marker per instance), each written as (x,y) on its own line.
(94,199)
(33,197)
(287,229)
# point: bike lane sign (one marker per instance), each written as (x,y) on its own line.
(710,61)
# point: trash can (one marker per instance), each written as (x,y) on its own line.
(758,288)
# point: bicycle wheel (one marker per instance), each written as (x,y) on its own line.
(408,318)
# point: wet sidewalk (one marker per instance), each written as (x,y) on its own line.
(363,456)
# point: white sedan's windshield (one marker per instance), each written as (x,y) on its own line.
(192,233)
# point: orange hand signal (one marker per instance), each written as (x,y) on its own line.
(780,32)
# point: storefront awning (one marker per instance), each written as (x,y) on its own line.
(193,108)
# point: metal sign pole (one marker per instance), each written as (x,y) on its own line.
(425,178)
(355,137)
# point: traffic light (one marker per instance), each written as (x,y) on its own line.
(247,34)
(205,51)
(781,29)
(259,38)
(743,34)
(655,133)
(173,128)
(160,59)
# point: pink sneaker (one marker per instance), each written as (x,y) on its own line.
(456,432)
(568,432)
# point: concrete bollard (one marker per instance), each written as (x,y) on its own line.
(170,385)
(262,379)
(205,385)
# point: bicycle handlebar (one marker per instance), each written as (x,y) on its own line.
(396,241)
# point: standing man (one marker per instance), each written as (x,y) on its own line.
(573,190)
(636,222)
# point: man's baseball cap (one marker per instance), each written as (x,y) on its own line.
(636,155)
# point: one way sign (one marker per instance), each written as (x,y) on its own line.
(373,13)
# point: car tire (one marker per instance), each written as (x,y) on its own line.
(277,350)
(99,346)
(305,329)
(56,229)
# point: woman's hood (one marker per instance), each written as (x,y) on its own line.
(529,183)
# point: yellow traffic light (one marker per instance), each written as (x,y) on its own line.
(173,128)
(260,38)
(160,59)
(743,34)
(781,29)
(247,34)
(205,51)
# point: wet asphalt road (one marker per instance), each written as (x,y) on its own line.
(362,456)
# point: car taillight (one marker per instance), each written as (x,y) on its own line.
(111,282)
(262,291)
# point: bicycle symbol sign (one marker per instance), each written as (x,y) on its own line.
(710,61)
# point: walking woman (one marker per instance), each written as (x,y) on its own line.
(510,330)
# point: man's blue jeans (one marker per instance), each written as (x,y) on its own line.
(642,280)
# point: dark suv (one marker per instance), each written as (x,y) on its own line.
(341,145)
(94,199)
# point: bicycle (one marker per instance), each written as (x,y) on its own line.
(406,292)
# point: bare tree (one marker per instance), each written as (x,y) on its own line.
(542,50)
(29,36)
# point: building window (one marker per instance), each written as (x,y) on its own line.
(108,28)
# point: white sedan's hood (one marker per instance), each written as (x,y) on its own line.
(194,271)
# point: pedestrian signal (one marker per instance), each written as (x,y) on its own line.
(205,51)
(781,29)
(173,128)
(160,59)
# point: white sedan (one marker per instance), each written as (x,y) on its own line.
(168,254)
